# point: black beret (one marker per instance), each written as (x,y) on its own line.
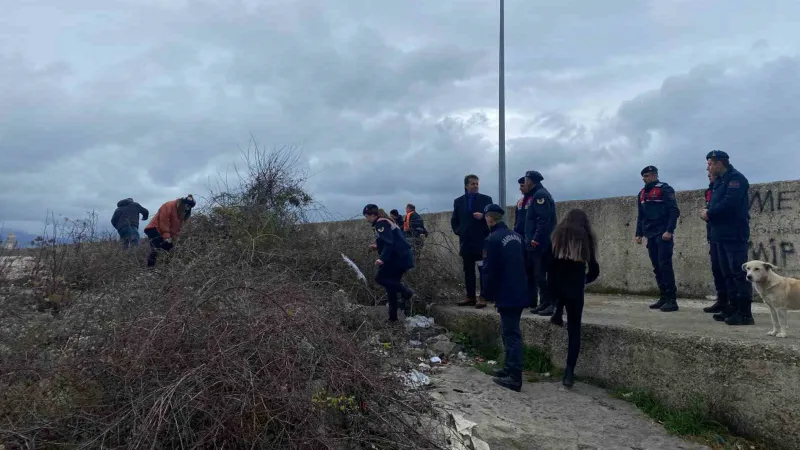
(533,175)
(370,208)
(649,169)
(494,208)
(717,155)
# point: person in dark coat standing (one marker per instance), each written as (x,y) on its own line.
(728,215)
(505,285)
(469,225)
(716,271)
(395,259)
(126,221)
(656,220)
(520,218)
(398,219)
(540,219)
(414,227)
(574,248)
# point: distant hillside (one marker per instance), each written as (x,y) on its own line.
(23,239)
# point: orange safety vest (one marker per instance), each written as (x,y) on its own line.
(407,223)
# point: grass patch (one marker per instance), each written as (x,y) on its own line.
(694,422)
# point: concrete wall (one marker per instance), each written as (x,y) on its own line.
(625,268)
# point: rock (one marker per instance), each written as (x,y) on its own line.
(437,338)
(416,353)
(415,344)
(445,348)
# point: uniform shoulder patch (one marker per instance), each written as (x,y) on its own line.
(380,230)
(540,201)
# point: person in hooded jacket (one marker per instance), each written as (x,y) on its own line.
(394,260)
(126,221)
(166,224)
(505,284)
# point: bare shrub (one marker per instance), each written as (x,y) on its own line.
(241,338)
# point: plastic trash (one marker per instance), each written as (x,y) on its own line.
(436,360)
(419,322)
(417,379)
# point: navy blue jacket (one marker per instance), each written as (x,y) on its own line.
(393,248)
(540,218)
(503,273)
(522,211)
(470,231)
(708,202)
(127,214)
(729,208)
(658,210)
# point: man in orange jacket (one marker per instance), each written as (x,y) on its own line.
(166,224)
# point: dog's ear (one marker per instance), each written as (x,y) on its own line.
(744,267)
(769,266)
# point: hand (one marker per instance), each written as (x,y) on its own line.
(373,246)
(704,214)
(534,244)
(638,240)
(477,215)
(667,236)
(378,262)
(168,240)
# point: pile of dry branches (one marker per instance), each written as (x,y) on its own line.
(243,337)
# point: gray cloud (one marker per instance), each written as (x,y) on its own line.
(389,102)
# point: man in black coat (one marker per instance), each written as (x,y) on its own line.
(469,225)
(540,220)
(728,215)
(126,221)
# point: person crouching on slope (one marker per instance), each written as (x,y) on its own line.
(506,284)
(166,224)
(574,247)
(394,260)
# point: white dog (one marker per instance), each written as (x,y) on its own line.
(781,294)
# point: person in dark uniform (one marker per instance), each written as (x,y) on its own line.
(520,218)
(540,219)
(469,225)
(394,260)
(657,218)
(719,279)
(398,219)
(728,215)
(505,284)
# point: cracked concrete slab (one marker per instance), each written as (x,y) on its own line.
(547,416)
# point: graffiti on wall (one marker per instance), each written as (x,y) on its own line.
(774,243)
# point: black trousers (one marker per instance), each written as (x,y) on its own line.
(392,281)
(537,263)
(512,340)
(574,307)
(730,257)
(156,243)
(660,252)
(470,280)
(719,277)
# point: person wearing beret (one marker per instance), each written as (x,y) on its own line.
(719,279)
(540,220)
(656,220)
(505,284)
(728,216)
(520,218)
(468,224)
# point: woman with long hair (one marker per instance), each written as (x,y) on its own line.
(394,260)
(574,248)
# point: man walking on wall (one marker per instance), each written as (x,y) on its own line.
(469,225)
(656,220)
(728,215)
(540,220)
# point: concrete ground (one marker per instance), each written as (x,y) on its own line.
(545,415)
(632,312)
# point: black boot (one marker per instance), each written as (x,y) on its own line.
(569,373)
(661,300)
(670,305)
(537,308)
(557,319)
(548,310)
(500,373)
(724,314)
(508,382)
(738,318)
(717,307)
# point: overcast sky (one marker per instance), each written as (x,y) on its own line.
(389,101)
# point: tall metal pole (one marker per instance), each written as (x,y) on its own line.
(502,107)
